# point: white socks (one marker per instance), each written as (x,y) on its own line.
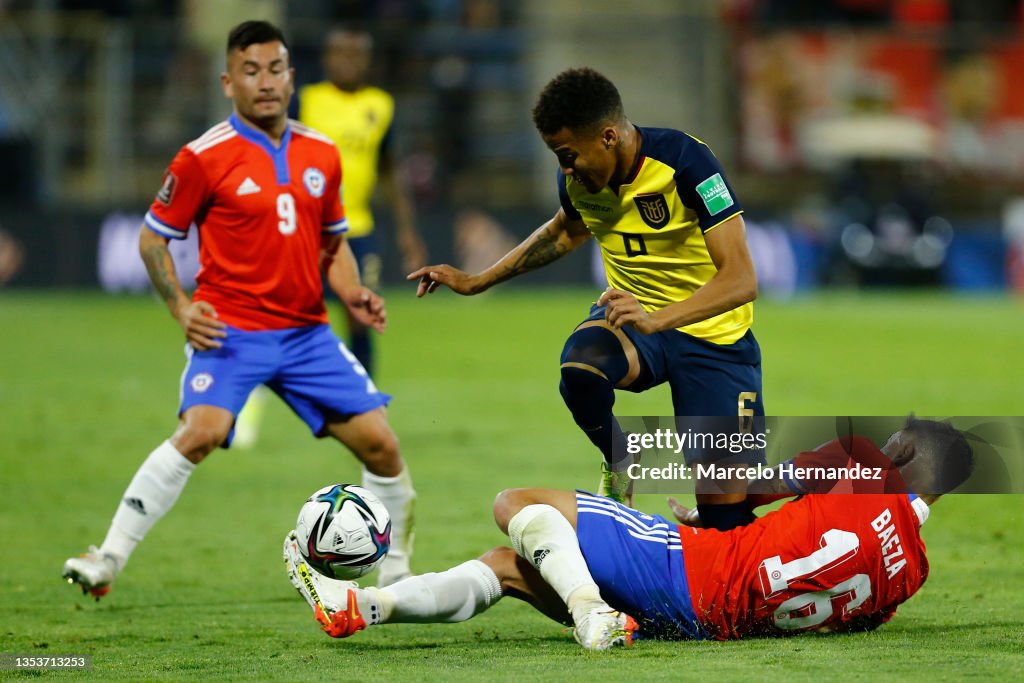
(151,493)
(458,594)
(541,535)
(398,497)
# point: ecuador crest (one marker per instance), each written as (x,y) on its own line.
(653,209)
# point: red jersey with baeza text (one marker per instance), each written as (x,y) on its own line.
(836,562)
(261,211)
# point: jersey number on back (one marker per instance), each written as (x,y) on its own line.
(810,609)
(286,213)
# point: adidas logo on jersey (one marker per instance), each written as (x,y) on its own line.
(248,186)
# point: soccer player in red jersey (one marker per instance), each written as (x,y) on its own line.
(264,193)
(824,562)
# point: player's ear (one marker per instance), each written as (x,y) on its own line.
(225,83)
(609,137)
(904,452)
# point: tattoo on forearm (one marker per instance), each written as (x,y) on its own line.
(541,252)
(161,272)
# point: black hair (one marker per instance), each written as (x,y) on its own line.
(951,457)
(252,33)
(349,29)
(578,99)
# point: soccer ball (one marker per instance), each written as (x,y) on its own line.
(344,531)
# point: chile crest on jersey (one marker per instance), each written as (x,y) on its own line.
(314,180)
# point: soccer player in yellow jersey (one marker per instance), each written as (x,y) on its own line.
(681,281)
(358,117)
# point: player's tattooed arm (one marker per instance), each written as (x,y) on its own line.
(198,319)
(548,243)
(160,266)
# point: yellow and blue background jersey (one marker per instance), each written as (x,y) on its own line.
(651,232)
(359,123)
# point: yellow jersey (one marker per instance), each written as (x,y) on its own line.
(359,123)
(651,232)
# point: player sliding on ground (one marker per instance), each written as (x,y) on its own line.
(822,562)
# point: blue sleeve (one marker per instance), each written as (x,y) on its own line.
(563,197)
(792,483)
(703,187)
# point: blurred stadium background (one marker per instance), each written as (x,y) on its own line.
(877,144)
(874,142)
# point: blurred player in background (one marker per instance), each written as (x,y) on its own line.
(681,280)
(828,563)
(359,119)
(264,192)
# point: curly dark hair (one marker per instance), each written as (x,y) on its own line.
(950,456)
(578,99)
(252,33)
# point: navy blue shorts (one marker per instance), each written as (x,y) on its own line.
(308,367)
(706,378)
(637,562)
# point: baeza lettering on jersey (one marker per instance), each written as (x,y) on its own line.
(890,540)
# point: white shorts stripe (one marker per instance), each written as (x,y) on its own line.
(189,352)
(672,542)
(658,532)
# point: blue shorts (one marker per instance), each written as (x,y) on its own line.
(712,384)
(706,378)
(637,562)
(308,367)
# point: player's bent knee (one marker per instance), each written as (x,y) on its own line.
(503,562)
(380,454)
(202,429)
(196,442)
(599,350)
(507,504)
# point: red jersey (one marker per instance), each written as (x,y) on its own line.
(822,562)
(261,211)
(851,464)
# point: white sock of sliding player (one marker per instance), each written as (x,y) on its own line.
(541,535)
(458,594)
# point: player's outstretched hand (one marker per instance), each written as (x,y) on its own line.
(367,307)
(686,516)
(202,329)
(432,277)
(623,309)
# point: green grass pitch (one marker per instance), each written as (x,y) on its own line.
(89,387)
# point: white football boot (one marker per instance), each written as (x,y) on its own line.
(341,607)
(92,571)
(600,628)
